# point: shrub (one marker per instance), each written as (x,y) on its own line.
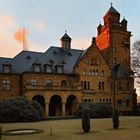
(86,120)
(18,110)
(38,107)
(96,110)
(115,119)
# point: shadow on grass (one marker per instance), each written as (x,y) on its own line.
(82,133)
(122,128)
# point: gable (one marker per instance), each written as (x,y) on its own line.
(92,59)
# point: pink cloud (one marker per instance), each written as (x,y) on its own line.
(81,43)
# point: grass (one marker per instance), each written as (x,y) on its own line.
(101,129)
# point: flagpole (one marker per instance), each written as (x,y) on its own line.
(23,38)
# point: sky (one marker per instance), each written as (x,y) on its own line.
(45,22)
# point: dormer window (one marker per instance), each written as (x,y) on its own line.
(6,68)
(37,67)
(59,69)
(48,68)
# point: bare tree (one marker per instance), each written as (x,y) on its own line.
(135,60)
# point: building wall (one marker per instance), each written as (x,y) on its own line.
(12,89)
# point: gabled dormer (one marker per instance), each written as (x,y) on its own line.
(7,67)
(36,67)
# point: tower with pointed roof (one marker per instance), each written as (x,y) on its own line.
(113,39)
(66,41)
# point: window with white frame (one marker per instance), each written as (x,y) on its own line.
(6,85)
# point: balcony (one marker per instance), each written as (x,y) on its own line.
(51,88)
(89,91)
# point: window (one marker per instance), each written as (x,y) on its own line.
(119,85)
(96,73)
(49,83)
(101,85)
(6,68)
(6,85)
(48,69)
(84,72)
(36,67)
(103,73)
(94,61)
(33,82)
(127,103)
(125,61)
(114,60)
(59,69)
(119,103)
(114,49)
(90,72)
(85,85)
(93,73)
(63,83)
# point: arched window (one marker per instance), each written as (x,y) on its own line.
(93,73)
(49,83)
(63,83)
(96,73)
(127,103)
(103,73)
(99,85)
(119,103)
(33,82)
(85,85)
(6,85)
(119,85)
(103,85)
(84,72)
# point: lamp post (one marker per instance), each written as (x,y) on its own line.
(114,94)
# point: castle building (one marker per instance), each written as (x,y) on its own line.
(61,78)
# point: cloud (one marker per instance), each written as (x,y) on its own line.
(81,43)
(9,47)
(38,25)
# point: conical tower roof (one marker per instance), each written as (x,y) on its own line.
(112,10)
(65,37)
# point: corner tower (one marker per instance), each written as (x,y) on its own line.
(113,39)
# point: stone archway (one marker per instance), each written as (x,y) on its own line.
(40,99)
(55,106)
(71,105)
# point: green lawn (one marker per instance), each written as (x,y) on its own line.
(101,129)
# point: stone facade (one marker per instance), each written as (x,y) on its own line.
(62,78)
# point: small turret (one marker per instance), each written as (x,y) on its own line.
(124,24)
(66,41)
(99,28)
